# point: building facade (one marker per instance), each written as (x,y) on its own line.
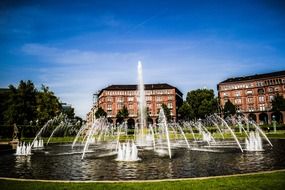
(252,95)
(113,98)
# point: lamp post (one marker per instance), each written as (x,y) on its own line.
(274,123)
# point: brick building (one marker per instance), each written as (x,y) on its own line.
(114,97)
(252,95)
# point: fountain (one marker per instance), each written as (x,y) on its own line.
(253,142)
(142,139)
(127,152)
(106,151)
(23,149)
(38,143)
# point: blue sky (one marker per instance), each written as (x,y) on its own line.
(79,47)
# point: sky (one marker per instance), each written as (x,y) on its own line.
(79,47)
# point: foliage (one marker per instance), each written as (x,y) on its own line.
(122,114)
(100,113)
(30,109)
(68,111)
(229,109)
(278,103)
(48,105)
(202,102)
(22,107)
(185,112)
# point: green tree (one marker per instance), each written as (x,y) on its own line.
(48,105)
(278,103)
(100,113)
(185,112)
(21,104)
(202,102)
(122,114)
(229,109)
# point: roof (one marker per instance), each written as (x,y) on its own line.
(146,86)
(257,76)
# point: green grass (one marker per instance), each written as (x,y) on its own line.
(273,180)
(280,134)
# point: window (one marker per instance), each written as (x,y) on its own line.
(260,91)
(170,97)
(250,99)
(261,98)
(130,99)
(238,101)
(249,92)
(131,106)
(158,98)
(158,106)
(131,111)
(271,98)
(250,108)
(237,93)
(109,107)
(276,89)
(238,108)
(169,105)
(109,99)
(270,89)
(148,98)
(120,99)
(262,107)
(259,83)
(226,94)
(119,106)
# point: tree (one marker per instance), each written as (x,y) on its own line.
(229,109)
(100,113)
(21,104)
(122,114)
(185,112)
(48,105)
(202,102)
(278,103)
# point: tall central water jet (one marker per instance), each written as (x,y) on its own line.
(141,98)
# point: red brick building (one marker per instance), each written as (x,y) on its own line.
(114,97)
(252,95)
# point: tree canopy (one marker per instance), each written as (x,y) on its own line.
(229,109)
(202,102)
(100,113)
(185,112)
(278,103)
(48,105)
(22,104)
(122,114)
(26,105)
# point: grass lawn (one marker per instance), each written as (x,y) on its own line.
(274,180)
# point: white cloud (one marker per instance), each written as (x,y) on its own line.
(76,74)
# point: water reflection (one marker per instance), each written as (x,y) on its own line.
(127,170)
(23,162)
